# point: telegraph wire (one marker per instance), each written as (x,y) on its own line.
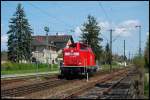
(47,14)
(104,11)
(108,19)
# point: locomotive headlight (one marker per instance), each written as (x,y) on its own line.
(76,53)
(67,53)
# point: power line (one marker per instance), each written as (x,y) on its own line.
(107,18)
(104,11)
(44,12)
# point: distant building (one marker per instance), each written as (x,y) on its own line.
(49,51)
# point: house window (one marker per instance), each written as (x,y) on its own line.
(39,39)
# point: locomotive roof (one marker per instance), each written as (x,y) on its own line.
(80,43)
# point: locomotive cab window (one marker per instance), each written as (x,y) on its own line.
(83,47)
(72,46)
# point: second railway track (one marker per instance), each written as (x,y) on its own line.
(22,90)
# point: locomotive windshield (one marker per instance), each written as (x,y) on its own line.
(73,45)
(83,47)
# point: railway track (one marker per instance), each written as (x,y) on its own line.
(6,82)
(74,91)
(22,79)
(121,88)
(27,86)
(69,92)
(24,88)
(107,89)
(27,89)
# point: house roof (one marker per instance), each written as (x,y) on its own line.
(54,40)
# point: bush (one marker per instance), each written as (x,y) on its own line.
(114,63)
(146,85)
(7,66)
(139,61)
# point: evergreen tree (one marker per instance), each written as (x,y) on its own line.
(90,34)
(19,37)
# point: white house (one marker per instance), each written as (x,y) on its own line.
(45,49)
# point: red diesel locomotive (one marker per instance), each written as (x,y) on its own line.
(78,59)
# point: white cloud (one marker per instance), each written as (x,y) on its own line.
(122,32)
(4,39)
(104,25)
(123,29)
(130,23)
(78,31)
(126,28)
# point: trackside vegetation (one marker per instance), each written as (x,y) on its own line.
(142,66)
(20,68)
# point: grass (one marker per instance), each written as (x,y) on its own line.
(114,66)
(21,68)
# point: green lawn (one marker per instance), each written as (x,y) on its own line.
(21,68)
(114,66)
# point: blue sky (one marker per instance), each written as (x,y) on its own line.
(63,16)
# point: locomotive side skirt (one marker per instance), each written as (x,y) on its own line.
(78,69)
